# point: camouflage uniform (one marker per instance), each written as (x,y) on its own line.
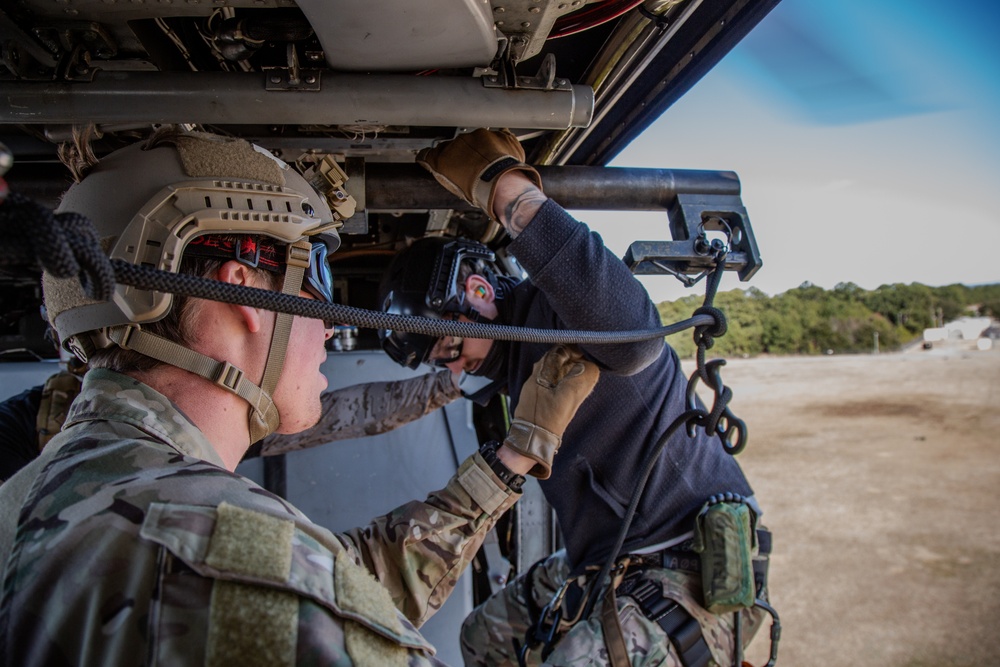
(58,393)
(351,412)
(488,633)
(367,409)
(127,543)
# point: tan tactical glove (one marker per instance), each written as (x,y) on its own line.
(559,383)
(470,165)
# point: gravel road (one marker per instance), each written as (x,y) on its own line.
(879,476)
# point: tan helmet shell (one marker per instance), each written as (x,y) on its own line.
(147,204)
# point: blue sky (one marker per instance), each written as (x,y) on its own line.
(866,135)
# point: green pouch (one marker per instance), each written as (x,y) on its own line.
(725,538)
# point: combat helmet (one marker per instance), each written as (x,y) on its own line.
(150,202)
(422,280)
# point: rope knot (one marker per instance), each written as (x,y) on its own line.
(64,244)
(704,336)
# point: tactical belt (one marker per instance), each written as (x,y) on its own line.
(681,557)
(686,560)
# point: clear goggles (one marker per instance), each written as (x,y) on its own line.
(446,349)
(319,276)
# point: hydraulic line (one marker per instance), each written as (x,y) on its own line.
(585,19)
(630,39)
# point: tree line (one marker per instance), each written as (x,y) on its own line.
(813,320)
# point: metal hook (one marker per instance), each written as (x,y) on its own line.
(733,425)
(775,630)
(692,405)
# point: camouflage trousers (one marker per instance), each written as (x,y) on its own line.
(489,632)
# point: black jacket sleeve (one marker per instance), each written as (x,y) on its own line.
(587,287)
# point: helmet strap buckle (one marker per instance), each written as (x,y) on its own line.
(229,377)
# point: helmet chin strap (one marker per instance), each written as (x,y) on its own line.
(263,424)
(263,418)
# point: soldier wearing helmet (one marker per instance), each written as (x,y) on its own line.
(574,282)
(130,539)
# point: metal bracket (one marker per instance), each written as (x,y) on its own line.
(292,77)
(545,79)
(357,223)
(54,51)
(498,567)
(691,252)
(329,179)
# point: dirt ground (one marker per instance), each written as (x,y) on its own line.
(879,477)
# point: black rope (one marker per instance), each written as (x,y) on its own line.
(147,278)
(647,469)
(65,245)
(719,421)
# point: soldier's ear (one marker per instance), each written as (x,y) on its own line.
(234,273)
(478,290)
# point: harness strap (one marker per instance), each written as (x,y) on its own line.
(297,261)
(534,611)
(614,637)
(680,627)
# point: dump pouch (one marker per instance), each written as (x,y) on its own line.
(725,539)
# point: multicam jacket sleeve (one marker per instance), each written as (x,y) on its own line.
(367,409)
(419,550)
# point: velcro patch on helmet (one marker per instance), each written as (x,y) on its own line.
(218,157)
(251,543)
(62,294)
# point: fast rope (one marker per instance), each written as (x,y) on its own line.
(204,288)
(67,245)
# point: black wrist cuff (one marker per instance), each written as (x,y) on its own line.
(488,451)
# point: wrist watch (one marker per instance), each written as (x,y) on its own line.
(513,481)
